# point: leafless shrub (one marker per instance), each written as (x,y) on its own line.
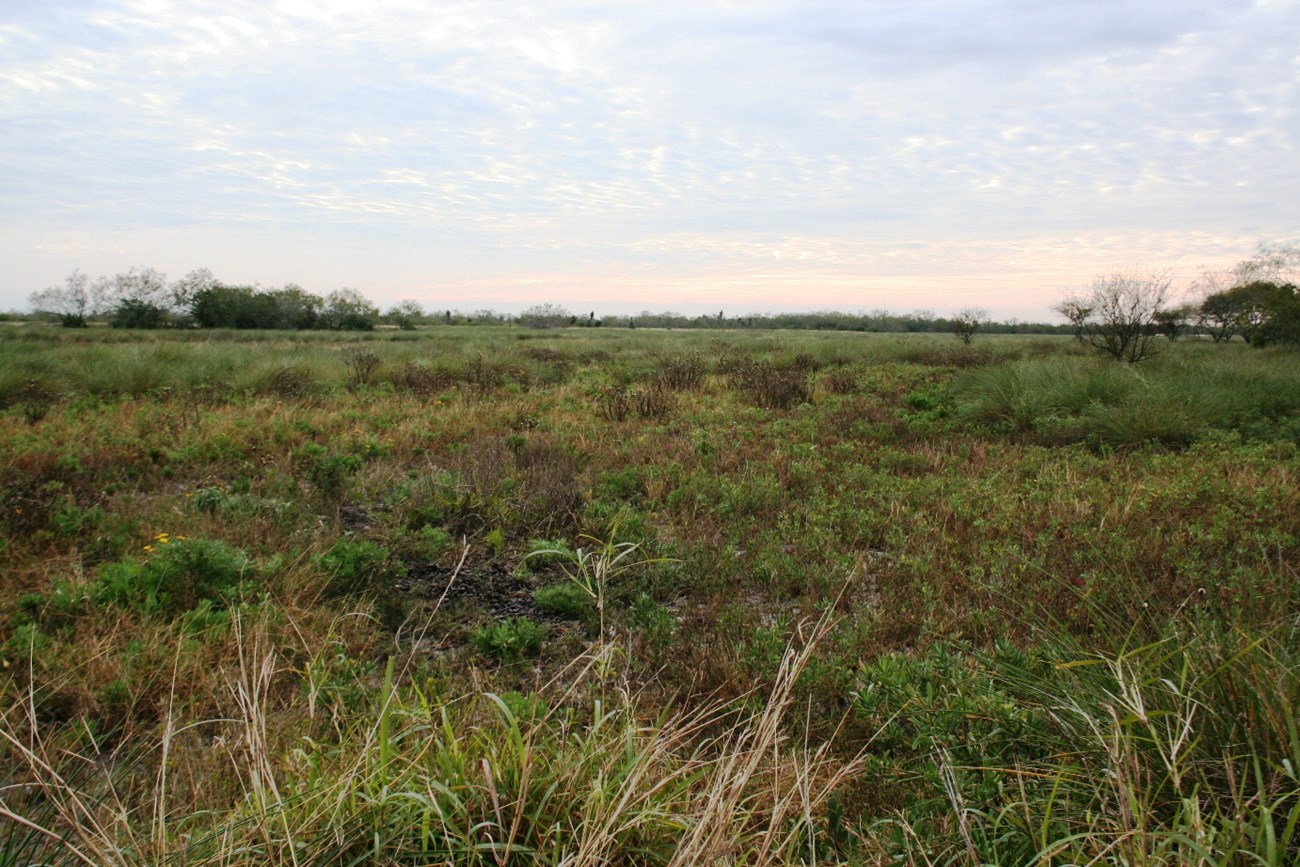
(551,493)
(36,397)
(842,380)
(212,393)
(480,376)
(804,361)
(731,360)
(483,464)
(362,364)
(618,403)
(956,357)
(682,372)
(418,379)
(653,401)
(292,381)
(967,321)
(545,354)
(613,403)
(773,387)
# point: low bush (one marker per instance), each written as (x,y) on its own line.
(512,640)
(682,372)
(772,387)
(356,566)
(566,599)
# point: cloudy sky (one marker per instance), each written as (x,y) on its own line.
(746,155)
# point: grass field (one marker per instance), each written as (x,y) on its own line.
(482,595)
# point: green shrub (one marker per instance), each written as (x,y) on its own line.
(329,472)
(654,620)
(26,638)
(178,575)
(624,486)
(566,599)
(72,520)
(355,567)
(495,540)
(433,542)
(510,640)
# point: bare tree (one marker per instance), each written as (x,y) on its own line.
(1272,263)
(71,302)
(967,321)
(185,290)
(1125,306)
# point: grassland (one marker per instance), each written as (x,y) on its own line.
(484,595)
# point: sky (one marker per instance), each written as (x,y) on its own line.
(687,155)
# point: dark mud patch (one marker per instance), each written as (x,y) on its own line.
(489,588)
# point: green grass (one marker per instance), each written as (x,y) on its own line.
(1177,399)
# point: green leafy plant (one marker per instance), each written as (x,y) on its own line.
(511,640)
(593,568)
(356,566)
(177,576)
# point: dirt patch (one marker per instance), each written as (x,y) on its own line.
(489,587)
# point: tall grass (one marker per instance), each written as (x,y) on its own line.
(1174,400)
(1179,752)
(494,779)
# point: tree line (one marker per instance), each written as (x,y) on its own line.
(1122,314)
(143,298)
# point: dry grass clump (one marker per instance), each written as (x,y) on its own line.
(506,778)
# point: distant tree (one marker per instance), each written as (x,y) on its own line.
(545,316)
(967,321)
(71,302)
(405,314)
(1257,299)
(218,306)
(135,313)
(1076,311)
(918,321)
(295,307)
(1261,311)
(348,310)
(1272,263)
(486,317)
(1216,313)
(184,290)
(139,298)
(1173,321)
(1122,321)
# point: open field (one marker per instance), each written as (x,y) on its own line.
(584,596)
